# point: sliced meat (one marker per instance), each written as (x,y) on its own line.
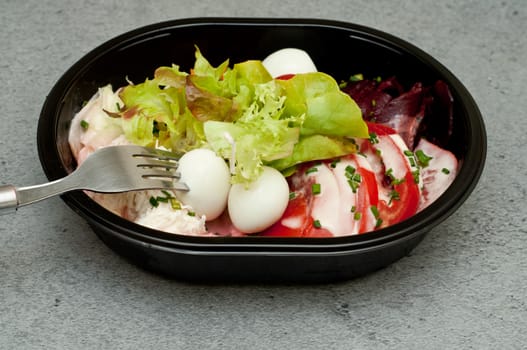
(438,174)
(420,111)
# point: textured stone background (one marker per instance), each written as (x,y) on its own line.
(464,287)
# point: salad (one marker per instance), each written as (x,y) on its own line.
(275,147)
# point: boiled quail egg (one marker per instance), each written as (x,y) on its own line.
(255,207)
(208,178)
(288,61)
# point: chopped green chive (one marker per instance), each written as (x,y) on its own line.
(376,215)
(317,224)
(394,195)
(118,106)
(374,211)
(334,162)
(313,169)
(84,124)
(373,138)
(167,194)
(191,213)
(378,79)
(415,175)
(398,181)
(316,189)
(411,158)
(422,158)
(357,216)
(353,208)
(356,77)
(168,198)
(162,199)
(354,178)
(292,195)
(154,202)
(445,171)
(394,180)
(175,204)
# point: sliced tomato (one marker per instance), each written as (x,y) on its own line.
(295,221)
(285,76)
(318,232)
(368,195)
(404,206)
(380,129)
(405,199)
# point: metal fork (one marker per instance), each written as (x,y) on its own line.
(108,170)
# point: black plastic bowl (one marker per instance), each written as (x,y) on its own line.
(339,49)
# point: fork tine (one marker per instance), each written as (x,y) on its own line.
(156,156)
(160,174)
(155,159)
(159,165)
(156,153)
(163,181)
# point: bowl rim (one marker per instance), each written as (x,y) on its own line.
(465,182)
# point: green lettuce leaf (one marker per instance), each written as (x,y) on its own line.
(328,111)
(202,67)
(158,116)
(170,76)
(315,147)
(206,104)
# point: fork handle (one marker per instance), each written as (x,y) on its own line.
(12,197)
(8,199)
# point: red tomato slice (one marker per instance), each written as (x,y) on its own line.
(368,195)
(406,201)
(318,232)
(285,76)
(402,208)
(295,220)
(380,129)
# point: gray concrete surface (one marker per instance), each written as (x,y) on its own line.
(464,287)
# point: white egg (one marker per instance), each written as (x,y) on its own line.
(208,179)
(289,61)
(261,204)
